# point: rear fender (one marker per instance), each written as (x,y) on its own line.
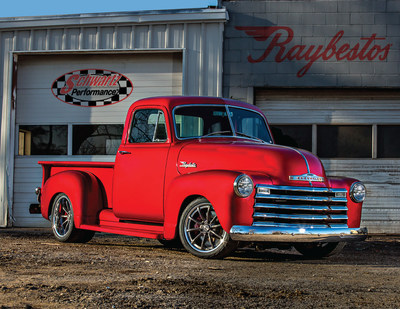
(217,187)
(82,188)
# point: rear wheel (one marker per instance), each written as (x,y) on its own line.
(62,222)
(201,233)
(319,250)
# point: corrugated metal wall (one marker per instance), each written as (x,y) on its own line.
(198,33)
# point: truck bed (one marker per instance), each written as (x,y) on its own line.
(103,171)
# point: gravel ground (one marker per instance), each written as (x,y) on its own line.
(114,271)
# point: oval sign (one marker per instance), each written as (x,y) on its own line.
(92,87)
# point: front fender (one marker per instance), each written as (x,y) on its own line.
(217,187)
(82,188)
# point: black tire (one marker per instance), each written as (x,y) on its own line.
(62,222)
(319,250)
(201,233)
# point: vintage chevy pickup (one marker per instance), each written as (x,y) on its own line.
(205,173)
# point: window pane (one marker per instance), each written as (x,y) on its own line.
(196,121)
(96,139)
(148,125)
(43,140)
(389,141)
(299,136)
(344,141)
(249,123)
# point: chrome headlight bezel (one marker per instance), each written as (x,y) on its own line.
(243,186)
(357,192)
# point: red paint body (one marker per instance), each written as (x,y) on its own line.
(144,192)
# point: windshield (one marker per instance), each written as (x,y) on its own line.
(215,120)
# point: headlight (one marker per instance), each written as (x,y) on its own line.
(357,192)
(243,185)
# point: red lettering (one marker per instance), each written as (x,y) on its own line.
(69,84)
(282,36)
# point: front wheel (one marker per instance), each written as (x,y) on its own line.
(319,250)
(62,222)
(201,233)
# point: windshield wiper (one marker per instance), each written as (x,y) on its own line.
(217,132)
(252,137)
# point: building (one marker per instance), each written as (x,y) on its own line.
(326,74)
(123,56)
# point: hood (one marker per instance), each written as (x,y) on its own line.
(285,166)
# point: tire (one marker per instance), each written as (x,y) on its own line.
(201,233)
(319,250)
(62,222)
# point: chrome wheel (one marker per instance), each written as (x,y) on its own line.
(62,216)
(201,233)
(62,222)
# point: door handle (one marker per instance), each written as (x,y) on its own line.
(123,152)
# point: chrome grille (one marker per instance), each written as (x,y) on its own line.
(300,207)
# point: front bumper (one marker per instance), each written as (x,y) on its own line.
(285,234)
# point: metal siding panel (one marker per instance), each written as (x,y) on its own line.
(193,47)
(107,37)
(89,38)
(23,38)
(175,39)
(56,39)
(124,36)
(212,61)
(158,36)
(141,37)
(72,38)
(7,45)
(39,40)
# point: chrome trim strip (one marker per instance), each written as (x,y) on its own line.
(300,226)
(299,217)
(303,189)
(317,208)
(287,234)
(303,198)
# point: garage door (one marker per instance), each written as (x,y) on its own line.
(50,126)
(355,133)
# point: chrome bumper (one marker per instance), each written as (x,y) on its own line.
(285,234)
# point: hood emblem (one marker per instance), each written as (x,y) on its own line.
(307,177)
(186,165)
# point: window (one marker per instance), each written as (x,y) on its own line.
(299,136)
(196,121)
(96,139)
(42,140)
(248,123)
(344,141)
(148,125)
(388,141)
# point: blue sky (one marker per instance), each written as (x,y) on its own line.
(15,8)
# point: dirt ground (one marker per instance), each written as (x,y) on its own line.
(125,272)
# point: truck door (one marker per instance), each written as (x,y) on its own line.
(140,168)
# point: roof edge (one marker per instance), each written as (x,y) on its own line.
(131,17)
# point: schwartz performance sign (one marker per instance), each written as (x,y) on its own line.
(92,87)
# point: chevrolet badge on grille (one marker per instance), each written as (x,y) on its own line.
(307,177)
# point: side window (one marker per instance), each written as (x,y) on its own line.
(148,126)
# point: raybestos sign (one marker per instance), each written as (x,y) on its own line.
(92,87)
(366,49)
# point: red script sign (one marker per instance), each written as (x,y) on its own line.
(282,36)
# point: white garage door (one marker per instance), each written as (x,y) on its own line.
(355,133)
(49,129)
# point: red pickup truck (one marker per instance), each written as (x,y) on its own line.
(203,172)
